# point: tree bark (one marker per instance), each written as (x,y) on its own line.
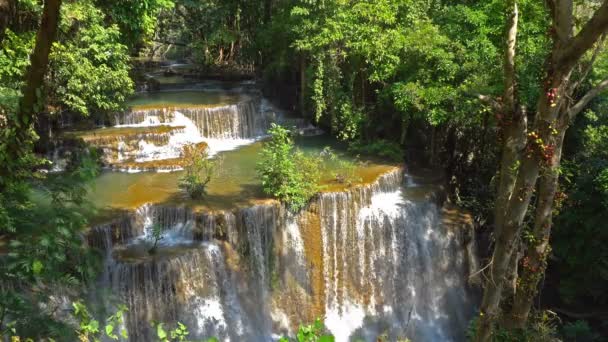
(505,245)
(514,126)
(535,260)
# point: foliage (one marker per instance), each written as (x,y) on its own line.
(89,329)
(579,237)
(381,148)
(542,326)
(89,65)
(178,334)
(286,173)
(199,170)
(45,249)
(579,331)
(13,61)
(311,333)
(137,19)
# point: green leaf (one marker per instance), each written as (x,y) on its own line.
(110,331)
(160,332)
(37,267)
(326,338)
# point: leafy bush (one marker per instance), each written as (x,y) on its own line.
(286,173)
(382,148)
(579,238)
(199,171)
(312,333)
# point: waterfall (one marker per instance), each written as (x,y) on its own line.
(369,260)
(196,277)
(392,268)
(236,121)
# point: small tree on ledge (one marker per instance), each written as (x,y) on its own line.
(199,170)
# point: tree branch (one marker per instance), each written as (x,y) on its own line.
(488,100)
(584,101)
(589,66)
(586,38)
(509,60)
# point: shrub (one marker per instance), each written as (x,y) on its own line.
(315,332)
(199,170)
(287,174)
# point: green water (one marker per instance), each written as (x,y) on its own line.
(236,184)
(184,98)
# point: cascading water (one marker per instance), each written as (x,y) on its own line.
(234,121)
(392,268)
(369,260)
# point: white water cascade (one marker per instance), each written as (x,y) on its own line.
(369,260)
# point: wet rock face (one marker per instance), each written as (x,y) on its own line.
(368,259)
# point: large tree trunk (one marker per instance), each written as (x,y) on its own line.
(30,102)
(535,260)
(505,245)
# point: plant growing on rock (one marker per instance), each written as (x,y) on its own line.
(199,170)
(156,237)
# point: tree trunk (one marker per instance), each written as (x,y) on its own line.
(267,11)
(514,125)
(303,84)
(30,100)
(505,245)
(535,260)
(513,145)
(565,53)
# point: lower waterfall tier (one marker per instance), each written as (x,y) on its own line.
(369,260)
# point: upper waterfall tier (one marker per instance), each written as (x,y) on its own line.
(242,120)
(369,259)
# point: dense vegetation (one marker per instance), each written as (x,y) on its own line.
(505,96)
